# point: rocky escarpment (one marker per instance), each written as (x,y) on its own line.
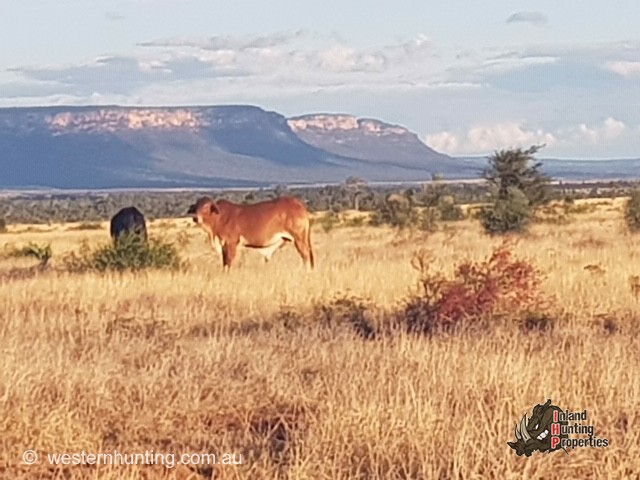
(367,139)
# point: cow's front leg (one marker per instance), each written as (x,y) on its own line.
(229,250)
(215,243)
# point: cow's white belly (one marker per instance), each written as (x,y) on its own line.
(271,246)
(267,252)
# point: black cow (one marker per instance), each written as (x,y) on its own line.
(129,220)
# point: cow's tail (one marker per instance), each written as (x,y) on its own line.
(311,259)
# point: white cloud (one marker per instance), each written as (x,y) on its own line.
(489,137)
(613,128)
(266,63)
(608,130)
(485,138)
(624,68)
(285,50)
(444,142)
(585,133)
(344,59)
(513,134)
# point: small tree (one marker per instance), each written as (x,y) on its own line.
(280,190)
(632,211)
(399,211)
(396,211)
(436,198)
(518,168)
(517,187)
(355,186)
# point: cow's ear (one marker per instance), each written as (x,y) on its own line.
(214,208)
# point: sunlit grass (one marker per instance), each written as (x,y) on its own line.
(200,361)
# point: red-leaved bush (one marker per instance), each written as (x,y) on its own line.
(497,286)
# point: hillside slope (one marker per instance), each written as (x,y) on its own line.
(101,147)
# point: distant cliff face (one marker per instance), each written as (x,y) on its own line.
(367,139)
(99,119)
(333,124)
(114,119)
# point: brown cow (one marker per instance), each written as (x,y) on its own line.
(265,226)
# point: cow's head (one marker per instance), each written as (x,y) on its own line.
(204,211)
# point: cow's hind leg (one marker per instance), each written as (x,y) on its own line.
(303,245)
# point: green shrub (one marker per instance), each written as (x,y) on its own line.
(537,322)
(346,310)
(329,221)
(42,253)
(450,212)
(571,208)
(341,313)
(428,219)
(632,211)
(399,212)
(355,222)
(511,214)
(394,211)
(129,253)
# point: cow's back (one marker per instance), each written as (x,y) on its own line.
(264,219)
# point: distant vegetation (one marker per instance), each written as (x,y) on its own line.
(515,185)
(98,207)
(632,211)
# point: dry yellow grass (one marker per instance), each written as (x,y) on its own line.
(198,361)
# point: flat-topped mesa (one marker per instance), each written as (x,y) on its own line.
(345,123)
(112,120)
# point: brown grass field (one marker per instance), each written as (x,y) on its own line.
(201,362)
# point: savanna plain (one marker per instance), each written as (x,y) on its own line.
(250,363)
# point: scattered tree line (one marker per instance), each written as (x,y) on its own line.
(95,207)
(515,187)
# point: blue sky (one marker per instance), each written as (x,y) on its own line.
(467,77)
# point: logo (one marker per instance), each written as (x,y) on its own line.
(550,429)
